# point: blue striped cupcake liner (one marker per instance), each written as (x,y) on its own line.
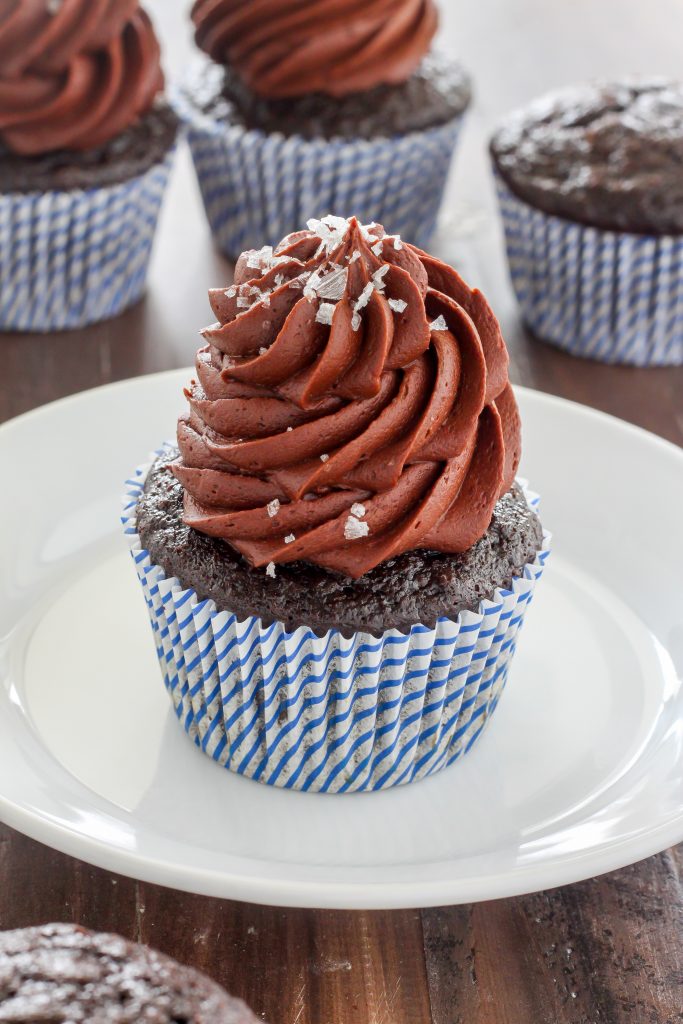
(259,187)
(328,714)
(70,258)
(607,295)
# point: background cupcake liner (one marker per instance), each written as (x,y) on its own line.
(327,713)
(259,187)
(70,258)
(606,295)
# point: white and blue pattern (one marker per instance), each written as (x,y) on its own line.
(259,187)
(328,714)
(72,258)
(606,295)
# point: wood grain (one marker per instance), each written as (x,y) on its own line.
(605,951)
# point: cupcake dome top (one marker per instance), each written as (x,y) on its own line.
(352,403)
(303,46)
(609,155)
(62,972)
(74,75)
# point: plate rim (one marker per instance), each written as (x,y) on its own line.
(347,893)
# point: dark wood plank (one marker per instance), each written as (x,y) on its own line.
(297,966)
(39,885)
(605,950)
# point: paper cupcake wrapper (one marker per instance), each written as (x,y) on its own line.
(328,714)
(74,257)
(259,187)
(606,295)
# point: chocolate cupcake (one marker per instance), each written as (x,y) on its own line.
(337,557)
(86,142)
(64,973)
(590,187)
(316,106)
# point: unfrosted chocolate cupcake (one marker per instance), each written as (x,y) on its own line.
(336,557)
(591,188)
(64,974)
(314,106)
(85,147)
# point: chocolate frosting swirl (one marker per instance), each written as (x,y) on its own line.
(331,46)
(74,74)
(352,403)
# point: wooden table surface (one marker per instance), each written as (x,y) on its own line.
(603,951)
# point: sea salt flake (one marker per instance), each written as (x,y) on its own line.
(273,507)
(324,457)
(354,529)
(243,302)
(231,292)
(378,277)
(355,321)
(325,313)
(270,569)
(438,325)
(54,6)
(279,279)
(398,244)
(377,248)
(290,429)
(290,538)
(333,285)
(297,283)
(260,258)
(364,297)
(398,305)
(357,510)
(355,255)
(262,351)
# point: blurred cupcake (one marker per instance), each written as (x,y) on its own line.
(590,187)
(61,972)
(86,142)
(336,556)
(312,106)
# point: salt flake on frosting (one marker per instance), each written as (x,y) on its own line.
(357,510)
(398,305)
(325,313)
(231,292)
(273,507)
(262,351)
(354,529)
(355,321)
(378,277)
(377,248)
(290,538)
(364,297)
(270,569)
(438,325)
(398,244)
(324,457)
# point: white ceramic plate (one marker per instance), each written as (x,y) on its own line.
(580,772)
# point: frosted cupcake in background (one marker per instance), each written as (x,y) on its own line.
(311,106)
(590,183)
(86,142)
(336,557)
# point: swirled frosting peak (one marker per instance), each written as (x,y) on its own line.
(351,403)
(74,73)
(331,46)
